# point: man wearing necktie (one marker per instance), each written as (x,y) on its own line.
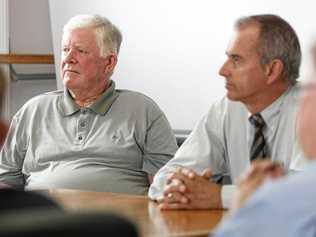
(255,120)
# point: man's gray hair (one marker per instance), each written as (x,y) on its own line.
(277,40)
(108,36)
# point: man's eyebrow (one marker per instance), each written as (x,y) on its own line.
(233,55)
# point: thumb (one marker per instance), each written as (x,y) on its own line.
(207,173)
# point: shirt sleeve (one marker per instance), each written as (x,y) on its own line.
(227,195)
(202,149)
(160,145)
(12,155)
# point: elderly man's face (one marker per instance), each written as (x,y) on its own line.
(306,122)
(244,75)
(82,68)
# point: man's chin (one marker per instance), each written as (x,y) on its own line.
(231,97)
(68,82)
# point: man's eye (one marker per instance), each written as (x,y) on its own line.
(235,58)
(65,49)
(82,51)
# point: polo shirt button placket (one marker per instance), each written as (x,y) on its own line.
(82,125)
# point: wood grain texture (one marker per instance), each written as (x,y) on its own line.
(26,59)
(144,213)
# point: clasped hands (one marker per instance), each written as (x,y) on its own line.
(185,189)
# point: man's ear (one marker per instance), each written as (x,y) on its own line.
(110,63)
(274,70)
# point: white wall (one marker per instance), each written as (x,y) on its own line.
(172,49)
(4,48)
(4,27)
(30,33)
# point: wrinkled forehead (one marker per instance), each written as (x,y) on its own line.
(85,36)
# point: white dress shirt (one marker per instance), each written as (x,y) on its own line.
(222,140)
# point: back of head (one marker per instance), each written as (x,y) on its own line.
(50,223)
(277,40)
(108,36)
(13,200)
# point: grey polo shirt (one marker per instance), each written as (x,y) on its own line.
(109,146)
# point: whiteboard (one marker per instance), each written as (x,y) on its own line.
(172,49)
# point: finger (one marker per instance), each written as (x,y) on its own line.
(258,180)
(176,174)
(261,165)
(180,176)
(188,173)
(170,177)
(276,171)
(175,186)
(257,167)
(176,197)
(173,206)
(272,169)
(207,173)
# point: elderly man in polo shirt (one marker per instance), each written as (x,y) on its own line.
(89,136)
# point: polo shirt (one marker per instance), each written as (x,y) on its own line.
(111,145)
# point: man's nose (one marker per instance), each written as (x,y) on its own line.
(224,71)
(69,57)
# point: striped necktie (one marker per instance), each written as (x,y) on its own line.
(258,145)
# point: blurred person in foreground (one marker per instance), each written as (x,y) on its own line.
(267,205)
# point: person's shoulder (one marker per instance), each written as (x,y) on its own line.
(41,100)
(223,106)
(136,99)
(134,95)
(45,97)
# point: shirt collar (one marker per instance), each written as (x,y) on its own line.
(273,110)
(100,106)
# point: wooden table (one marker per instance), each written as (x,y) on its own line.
(145,213)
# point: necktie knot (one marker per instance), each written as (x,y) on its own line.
(257,121)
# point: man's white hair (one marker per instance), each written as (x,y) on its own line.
(108,36)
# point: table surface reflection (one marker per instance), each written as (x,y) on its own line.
(145,213)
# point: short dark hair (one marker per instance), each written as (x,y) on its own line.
(277,40)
